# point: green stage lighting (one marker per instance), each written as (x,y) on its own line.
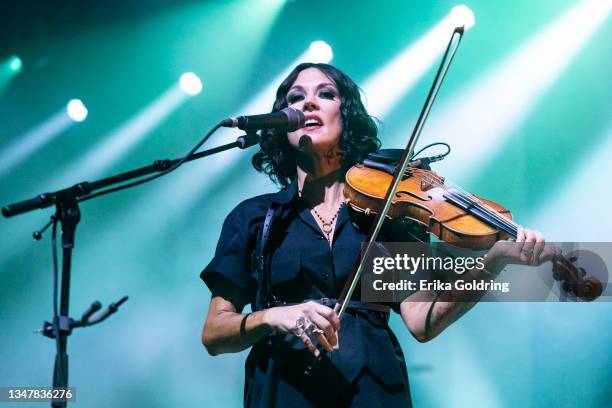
(15,64)
(77,110)
(463,16)
(190,83)
(320,51)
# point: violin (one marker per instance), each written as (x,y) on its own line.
(454,216)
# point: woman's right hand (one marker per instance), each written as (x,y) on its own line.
(286,319)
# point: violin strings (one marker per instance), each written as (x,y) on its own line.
(496,217)
(493,212)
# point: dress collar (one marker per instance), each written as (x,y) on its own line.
(287,194)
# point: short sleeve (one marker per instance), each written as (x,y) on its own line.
(228,273)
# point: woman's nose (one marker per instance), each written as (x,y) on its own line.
(310,104)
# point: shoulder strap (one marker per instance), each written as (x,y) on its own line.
(261,264)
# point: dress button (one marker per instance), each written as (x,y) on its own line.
(321,237)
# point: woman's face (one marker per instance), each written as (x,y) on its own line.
(317,96)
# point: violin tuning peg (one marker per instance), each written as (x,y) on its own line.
(573,259)
(582,271)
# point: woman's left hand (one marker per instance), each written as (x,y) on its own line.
(530,248)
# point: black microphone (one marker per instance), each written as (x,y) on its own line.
(286,120)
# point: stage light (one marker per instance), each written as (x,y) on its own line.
(15,63)
(9,68)
(76,110)
(320,51)
(190,83)
(463,16)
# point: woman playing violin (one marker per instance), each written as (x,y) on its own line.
(310,251)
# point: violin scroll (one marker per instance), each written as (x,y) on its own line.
(573,278)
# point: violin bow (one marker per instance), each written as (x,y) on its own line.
(351,283)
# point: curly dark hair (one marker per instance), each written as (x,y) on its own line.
(276,157)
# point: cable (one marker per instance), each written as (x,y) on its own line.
(432,145)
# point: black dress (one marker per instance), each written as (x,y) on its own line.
(368,370)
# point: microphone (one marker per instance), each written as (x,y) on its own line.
(424,162)
(287,120)
(389,168)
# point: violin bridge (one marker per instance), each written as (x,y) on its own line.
(427,183)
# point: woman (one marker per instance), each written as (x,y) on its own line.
(308,255)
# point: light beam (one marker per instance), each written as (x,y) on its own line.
(32,140)
(477,121)
(385,88)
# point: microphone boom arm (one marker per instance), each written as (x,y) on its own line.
(84,189)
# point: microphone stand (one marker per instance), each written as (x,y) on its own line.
(68,215)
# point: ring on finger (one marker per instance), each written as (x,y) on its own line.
(309,326)
(312,328)
(301,326)
(316,330)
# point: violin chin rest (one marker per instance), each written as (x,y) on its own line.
(386,156)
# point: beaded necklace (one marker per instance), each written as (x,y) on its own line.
(326,226)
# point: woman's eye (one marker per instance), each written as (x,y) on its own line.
(327,94)
(293,98)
